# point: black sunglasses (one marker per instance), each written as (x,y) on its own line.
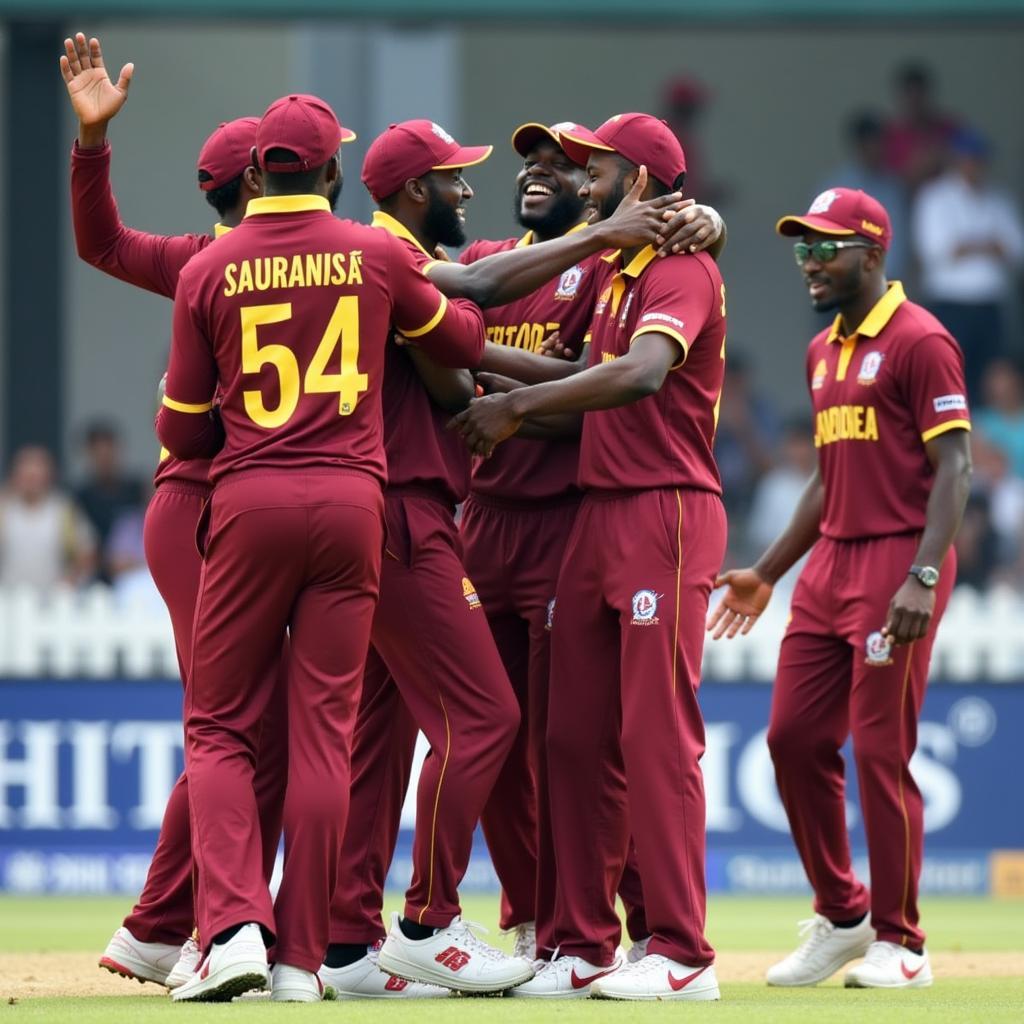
(824,252)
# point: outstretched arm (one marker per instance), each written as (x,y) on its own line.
(94,98)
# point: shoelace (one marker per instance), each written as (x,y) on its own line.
(477,945)
(189,950)
(880,953)
(525,944)
(648,965)
(817,929)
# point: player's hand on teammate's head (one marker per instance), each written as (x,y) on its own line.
(639,222)
(741,606)
(910,612)
(94,98)
(486,423)
(691,229)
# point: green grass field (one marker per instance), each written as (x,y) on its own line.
(47,928)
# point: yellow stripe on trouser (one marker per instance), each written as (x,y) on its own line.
(437,801)
(679,582)
(903,803)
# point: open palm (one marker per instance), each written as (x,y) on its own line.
(94,98)
(747,596)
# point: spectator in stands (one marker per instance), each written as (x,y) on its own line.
(107,491)
(916,139)
(748,432)
(1001,416)
(685,99)
(1004,496)
(44,538)
(865,169)
(969,241)
(778,491)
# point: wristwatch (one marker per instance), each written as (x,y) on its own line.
(927,575)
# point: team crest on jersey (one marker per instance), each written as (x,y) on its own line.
(869,367)
(823,201)
(879,650)
(602,301)
(820,373)
(645,608)
(569,283)
(441,133)
(469,593)
(549,622)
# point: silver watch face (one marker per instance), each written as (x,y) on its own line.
(928,576)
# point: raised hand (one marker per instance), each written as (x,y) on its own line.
(741,606)
(94,98)
(636,222)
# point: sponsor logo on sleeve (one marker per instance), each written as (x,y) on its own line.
(569,283)
(950,403)
(879,650)
(645,608)
(869,367)
(674,321)
(469,593)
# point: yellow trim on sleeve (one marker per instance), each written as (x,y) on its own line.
(287,204)
(943,428)
(671,332)
(186,406)
(430,324)
(388,223)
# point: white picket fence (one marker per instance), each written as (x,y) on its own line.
(91,634)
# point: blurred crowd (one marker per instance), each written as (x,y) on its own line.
(958,247)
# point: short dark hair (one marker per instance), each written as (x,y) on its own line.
(225,197)
(296,182)
(659,188)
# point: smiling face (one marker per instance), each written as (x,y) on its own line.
(445,219)
(840,280)
(609,178)
(547,191)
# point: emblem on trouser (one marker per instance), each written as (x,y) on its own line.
(645,608)
(550,621)
(879,650)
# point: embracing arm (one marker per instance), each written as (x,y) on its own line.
(526,367)
(450,389)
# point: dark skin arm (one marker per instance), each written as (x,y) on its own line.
(526,367)
(449,389)
(540,428)
(912,606)
(749,590)
(641,372)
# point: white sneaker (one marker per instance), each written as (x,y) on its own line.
(365,980)
(822,953)
(638,950)
(525,943)
(564,977)
(890,966)
(143,961)
(452,957)
(188,963)
(230,968)
(294,985)
(658,978)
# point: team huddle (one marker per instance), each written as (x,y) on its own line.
(336,390)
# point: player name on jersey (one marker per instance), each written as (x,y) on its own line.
(300,270)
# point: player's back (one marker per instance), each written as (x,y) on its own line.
(296,305)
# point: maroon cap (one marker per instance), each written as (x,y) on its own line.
(640,138)
(842,211)
(227,152)
(304,124)
(526,136)
(410,150)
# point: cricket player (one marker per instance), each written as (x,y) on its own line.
(287,319)
(429,631)
(154,942)
(625,732)
(879,517)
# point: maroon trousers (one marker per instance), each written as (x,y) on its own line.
(830,686)
(625,732)
(296,551)
(431,634)
(165,910)
(513,554)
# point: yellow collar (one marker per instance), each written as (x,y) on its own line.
(397,228)
(529,238)
(220,229)
(881,313)
(287,204)
(637,265)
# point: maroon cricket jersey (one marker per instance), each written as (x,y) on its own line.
(519,469)
(421,452)
(289,315)
(666,439)
(879,396)
(148,261)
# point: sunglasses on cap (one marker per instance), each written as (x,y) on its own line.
(824,252)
